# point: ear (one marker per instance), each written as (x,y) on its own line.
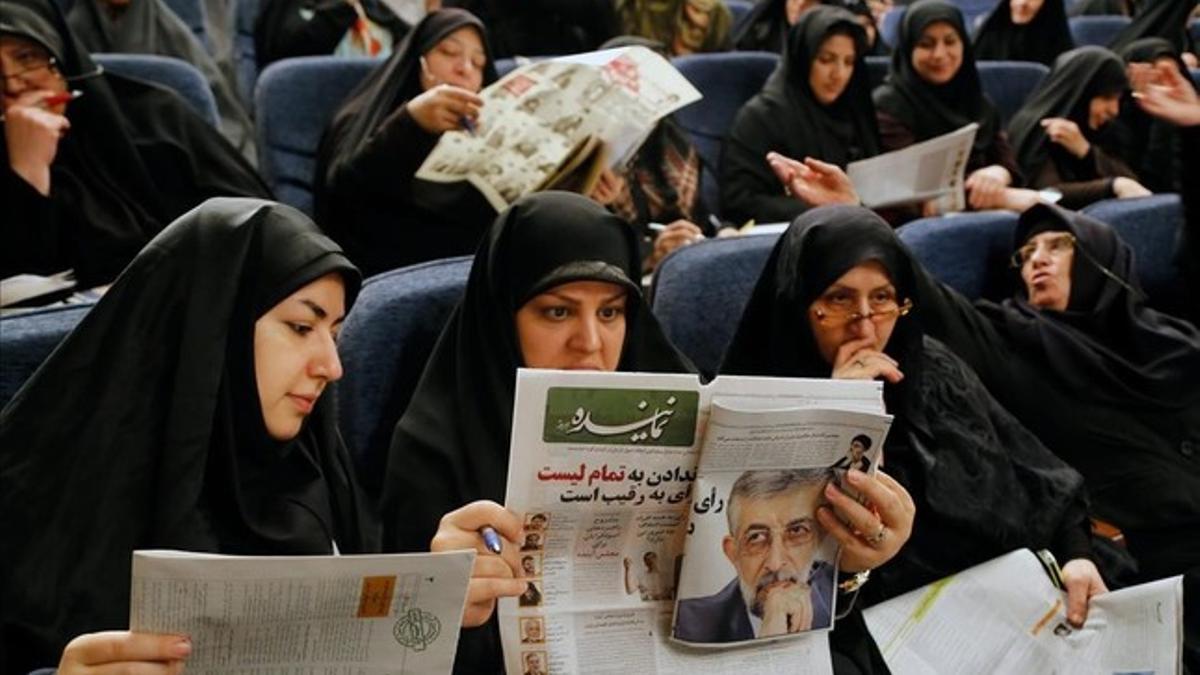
(730,548)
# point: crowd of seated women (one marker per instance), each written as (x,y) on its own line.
(194,405)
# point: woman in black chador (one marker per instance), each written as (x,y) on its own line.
(1022,32)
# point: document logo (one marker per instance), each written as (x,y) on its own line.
(620,416)
(417,629)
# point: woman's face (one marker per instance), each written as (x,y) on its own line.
(938,54)
(458,60)
(1046,260)
(1023,11)
(295,353)
(576,326)
(832,68)
(28,70)
(863,288)
(1103,109)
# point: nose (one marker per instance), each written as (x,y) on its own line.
(862,326)
(776,556)
(325,363)
(586,336)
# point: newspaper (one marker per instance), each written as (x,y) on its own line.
(940,628)
(932,169)
(602,467)
(303,615)
(21,288)
(548,123)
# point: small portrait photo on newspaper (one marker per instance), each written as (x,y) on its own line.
(532,596)
(531,565)
(759,565)
(533,630)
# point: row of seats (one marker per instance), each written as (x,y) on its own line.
(399,314)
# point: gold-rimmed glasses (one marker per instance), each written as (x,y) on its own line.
(1056,246)
(843,309)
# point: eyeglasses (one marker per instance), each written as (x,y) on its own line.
(757,540)
(1056,246)
(841,308)
(31,62)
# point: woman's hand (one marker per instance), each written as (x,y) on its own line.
(125,652)
(608,187)
(1082,580)
(985,187)
(1128,188)
(32,132)
(859,360)
(494,576)
(678,234)
(1067,134)
(1163,91)
(443,108)
(870,534)
(812,181)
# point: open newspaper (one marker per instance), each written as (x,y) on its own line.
(603,467)
(1006,615)
(557,124)
(930,170)
(303,615)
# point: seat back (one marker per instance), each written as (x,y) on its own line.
(967,251)
(244,55)
(1096,30)
(700,291)
(740,9)
(175,74)
(294,100)
(1009,83)
(1151,227)
(384,344)
(192,13)
(27,339)
(727,81)
(889,27)
(877,70)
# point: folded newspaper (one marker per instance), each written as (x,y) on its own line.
(557,124)
(629,486)
(305,614)
(932,169)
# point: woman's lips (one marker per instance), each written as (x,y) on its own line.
(303,403)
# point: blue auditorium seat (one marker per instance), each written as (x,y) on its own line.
(175,74)
(1150,226)
(727,80)
(974,10)
(1008,83)
(967,251)
(740,9)
(244,55)
(384,344)
(877,70)
(889,28)
(700,291)
(1096,30)
(27,339)
(192,13)
(294,101)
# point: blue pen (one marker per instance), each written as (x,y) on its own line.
(490,539)
(470,127)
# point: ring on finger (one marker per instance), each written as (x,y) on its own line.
(860,363)
(876,539)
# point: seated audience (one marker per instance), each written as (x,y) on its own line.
(932,89)
(1151,145)
(1024,30)
(97,164)
(1055,134)
(289,28)
(821,90)
(1166,19)
(766,27)
(838,298)
(196,390)
(544,27)
(367,195)
(685,26)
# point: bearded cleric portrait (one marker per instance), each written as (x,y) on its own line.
(784,574)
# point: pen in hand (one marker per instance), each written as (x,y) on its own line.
(491,540)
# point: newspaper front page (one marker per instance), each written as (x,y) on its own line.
(603,467)
(305,615)
(932,169)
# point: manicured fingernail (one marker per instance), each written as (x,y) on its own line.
(182,649)
(831,490)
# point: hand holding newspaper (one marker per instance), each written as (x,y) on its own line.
(305,614)
(932,169)
(557,124)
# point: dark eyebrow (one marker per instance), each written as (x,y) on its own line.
(319,311)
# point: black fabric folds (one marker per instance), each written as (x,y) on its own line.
(136,157)
(366,194)
(1165,19)
(544,27)
(785,117)
(1151,145)
(982,483)
(143,430)
(932,110)
(290,28)
(1041,40)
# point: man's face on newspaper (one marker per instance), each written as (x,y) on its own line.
(773,543)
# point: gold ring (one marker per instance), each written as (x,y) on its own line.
(876,539)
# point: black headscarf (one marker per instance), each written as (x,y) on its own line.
(361,215)
(1151,144)
(1041,40)
(932,110)
(983,484)
(765,26)
(544,27)
(136,157)
(290,28)
(1107,342)
(1077,77)
(1166,19)
(143,430)
(839,133)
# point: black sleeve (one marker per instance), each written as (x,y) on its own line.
(749,188)
(393,155)
(31,233)
(290,28)
(1073,539)
(1188,244)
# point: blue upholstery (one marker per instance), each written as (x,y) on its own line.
(973,10)
(1195,72)
(877,69)
(967,251)
(1096,30)
(1009,83)
(192,13)
(740,9)
(294,101)
(244,56)
(180,76)
(700,291)
(27,339)
(889,28)
(727,81)
(384,345)
(1151,226)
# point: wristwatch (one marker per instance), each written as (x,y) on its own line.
(854,582)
